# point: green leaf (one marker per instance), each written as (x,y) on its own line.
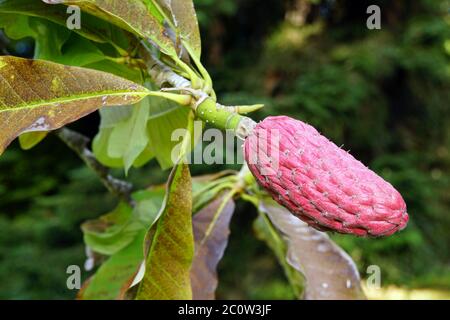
(129,138)
(114,277)
(78,51)
(112,232)
(165,117)
(131,15)
(93,28)
(184,18)
(120,70)
(53,42)
(329,272)
(16,26)
(171,250)
(49,38)
(100,149)
(148,205)
(110,117)
(162,120)
(211,231)
(30,139)
(38,95)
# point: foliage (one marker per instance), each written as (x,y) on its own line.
(384,93)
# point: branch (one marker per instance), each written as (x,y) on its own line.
(161,73)
(79,143)
(205,107)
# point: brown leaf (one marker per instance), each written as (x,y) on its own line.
(171,249)
(38,95)
(330,273)
(185,20)
(211,231)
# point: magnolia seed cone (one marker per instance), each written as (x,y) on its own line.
(319,182)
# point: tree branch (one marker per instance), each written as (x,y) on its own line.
(79,143)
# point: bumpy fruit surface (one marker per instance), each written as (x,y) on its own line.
(321,183)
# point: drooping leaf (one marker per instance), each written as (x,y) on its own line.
(109,118)
(131,15)
(114,277)
(184,17)
(100,149)
(265,231)
(211,231)
(165,117)
(329,272)
(129,138)
(30,139)
(171,250)
(38,95)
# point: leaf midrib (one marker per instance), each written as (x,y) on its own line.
(62,100)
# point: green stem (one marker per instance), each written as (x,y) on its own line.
(196,81)
(181,99)
(222,118)
(208,81)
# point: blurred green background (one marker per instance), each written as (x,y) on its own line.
(383,94)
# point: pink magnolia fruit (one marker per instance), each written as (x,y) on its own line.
(319,182)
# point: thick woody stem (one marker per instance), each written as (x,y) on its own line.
(78,143)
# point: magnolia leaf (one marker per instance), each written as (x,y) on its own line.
(93,28)
(110,117)
(112,232)
(49,38)
(100,146)
(148,205)
(16,26)
(329,272)
(114,277)
(171,250)
(103,142)
(265,231)
(131,15)
(161,126)
(30,139)
(211,231)
(53,42)
(164,117)
(129,138)
(185,21)
(118,69)
(38,95)
(79,52)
